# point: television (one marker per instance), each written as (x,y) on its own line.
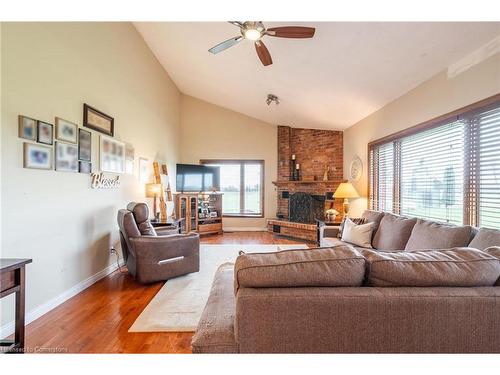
(192,178)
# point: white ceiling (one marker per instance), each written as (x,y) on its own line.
(343,74)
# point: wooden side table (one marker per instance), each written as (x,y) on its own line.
(169,224)
(12,277)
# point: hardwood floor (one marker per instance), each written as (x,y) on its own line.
(97,320)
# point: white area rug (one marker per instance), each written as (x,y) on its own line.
(178,305)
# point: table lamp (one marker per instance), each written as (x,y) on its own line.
(153,191)
(345,191)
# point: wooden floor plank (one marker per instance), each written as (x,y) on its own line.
(97,319)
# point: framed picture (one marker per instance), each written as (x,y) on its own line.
(97,120)
(37,156)
(144,171)
(129,158)
(112,155)
(85,167)
(66,157)
(27,128)
(84,145)
(66,131)
(45,133)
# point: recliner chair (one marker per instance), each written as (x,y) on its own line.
(151,257)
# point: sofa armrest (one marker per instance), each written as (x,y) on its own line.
(328,231)
(152,249)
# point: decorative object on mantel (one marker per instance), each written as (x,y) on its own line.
(84,145)
(66,131)
(297,172)
(45,133)
(325,175)
(37,156)
(144,171)
(100,181)
(308,178)
(27,128)
(85,167)
(154,191)
(356,169)
(129,158)
(97,120)
(346,191)
(66,157)
(292,168)
(112,155)
(331,214)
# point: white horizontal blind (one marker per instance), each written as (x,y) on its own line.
(384,174)
(487,124)
(432,173)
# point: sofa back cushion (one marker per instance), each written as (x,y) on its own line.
(457,267)
(334,266)
(485,238)
(494,251)
(430,235)
(374,217)
(393,232)
(357,234)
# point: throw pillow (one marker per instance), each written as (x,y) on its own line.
(355,220)
(359,235)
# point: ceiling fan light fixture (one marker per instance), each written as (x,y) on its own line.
(252,34)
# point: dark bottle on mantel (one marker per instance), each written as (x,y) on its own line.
(297,172)
(292,168)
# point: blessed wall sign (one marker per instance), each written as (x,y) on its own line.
(100,181)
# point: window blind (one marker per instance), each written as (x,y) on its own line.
(383,173)
(432,165)
(487,124)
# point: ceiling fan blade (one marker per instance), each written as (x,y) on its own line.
(263,53)
(236,23)
(291,32)
(225,45)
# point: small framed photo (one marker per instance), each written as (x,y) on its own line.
(144,171)
(84,145)
(66,157)
(129,158)
(66,131)
(27,128)
(45,133)
(112,155)
(97,120)
(85,167)
(37,156)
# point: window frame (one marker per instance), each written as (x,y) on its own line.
(470,188)
(242,163)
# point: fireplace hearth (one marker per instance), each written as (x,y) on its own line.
(306,208)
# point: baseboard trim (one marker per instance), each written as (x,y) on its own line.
(8,328)
(244,229)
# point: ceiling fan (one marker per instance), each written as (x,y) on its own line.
(255,31)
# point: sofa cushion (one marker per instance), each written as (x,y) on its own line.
(393,232)
(486,238)
(215,331)
(457,267)
(335,266)
(360,235)
(355,220)
(374,217)
(494,251)
(430,235)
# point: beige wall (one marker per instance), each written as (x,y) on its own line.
(212,132)
(437,96)
(51,69)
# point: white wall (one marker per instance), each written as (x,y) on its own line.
(437,96)
(212,132)
(51,69)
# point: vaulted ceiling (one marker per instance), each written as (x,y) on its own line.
(343,74)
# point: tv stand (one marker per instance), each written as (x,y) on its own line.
(202,212)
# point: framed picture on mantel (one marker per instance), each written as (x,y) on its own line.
(97,120)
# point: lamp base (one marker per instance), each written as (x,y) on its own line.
(345,208)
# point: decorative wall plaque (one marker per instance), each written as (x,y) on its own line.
(100,181)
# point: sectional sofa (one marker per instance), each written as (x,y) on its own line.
(423,287)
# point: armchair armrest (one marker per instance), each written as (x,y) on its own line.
(153,249)
(166,231)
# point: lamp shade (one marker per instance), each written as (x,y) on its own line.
(346,190)
(153,190)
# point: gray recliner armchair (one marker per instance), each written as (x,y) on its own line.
(152,257)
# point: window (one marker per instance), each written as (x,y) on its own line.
(445,170)
(242,182)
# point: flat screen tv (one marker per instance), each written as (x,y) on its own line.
(193,178)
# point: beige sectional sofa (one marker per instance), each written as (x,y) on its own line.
(424,287)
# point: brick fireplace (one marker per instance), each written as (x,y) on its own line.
(315,150)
